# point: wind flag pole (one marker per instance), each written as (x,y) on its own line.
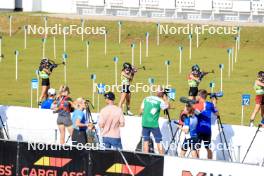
(221,66)
(93,78)
(54,47)
(119,31)
(64,39)
(238,34)
(25,37)
(232,60)
(212,85)
(132,53)
(1,55)
(236,49)
(151,82)
(37,74)
(229,62)
(101,91)
(82,26)
(65,57)
(158,34)
(16,54)
(105,42)
(147,44)
(34,86)
(87,54)
(46,26)
(167,63)
(115,59)
(197,36)
(190,46)
(180,62)
(245,102)
(10,25)
(43,47)
(140,52)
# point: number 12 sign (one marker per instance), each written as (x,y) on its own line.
(245,100)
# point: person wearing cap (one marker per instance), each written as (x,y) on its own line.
(150,111)
(47,104)
(111,118)
(80,124)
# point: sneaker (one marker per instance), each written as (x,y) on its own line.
(39,103)
(251,124)
(129,113)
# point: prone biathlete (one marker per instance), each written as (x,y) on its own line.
(259,99)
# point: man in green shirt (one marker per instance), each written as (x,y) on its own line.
(150,111)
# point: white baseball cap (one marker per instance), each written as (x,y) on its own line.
(52,91)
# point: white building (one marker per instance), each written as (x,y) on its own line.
(224,10)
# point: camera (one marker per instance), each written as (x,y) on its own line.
(216,95)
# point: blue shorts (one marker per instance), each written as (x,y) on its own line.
(112,143)
(155,131)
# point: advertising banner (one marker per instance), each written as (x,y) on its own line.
(126,163)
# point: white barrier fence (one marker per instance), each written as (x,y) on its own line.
(37,125)
(193,167)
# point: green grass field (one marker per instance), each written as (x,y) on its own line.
(212,52)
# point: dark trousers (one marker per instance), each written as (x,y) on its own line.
(79,137)
(1,133)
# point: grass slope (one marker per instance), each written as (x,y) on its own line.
(211,53)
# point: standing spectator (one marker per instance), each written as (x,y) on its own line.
(189,127)
(204,111)
(111,118)
(47,104)
(79,123)
(150,110)
(64,108)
